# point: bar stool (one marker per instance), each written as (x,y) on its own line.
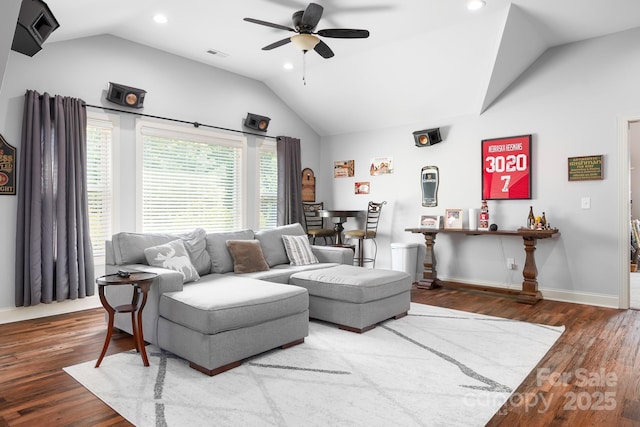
(369,233)
(314,223)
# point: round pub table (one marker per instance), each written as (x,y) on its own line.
(141,283)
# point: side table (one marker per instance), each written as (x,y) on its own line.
(141,283)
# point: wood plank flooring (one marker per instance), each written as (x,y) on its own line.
(591,377)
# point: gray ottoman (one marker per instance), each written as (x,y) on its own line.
(355,298)
(216,323)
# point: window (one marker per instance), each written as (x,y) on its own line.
(101,138)
(189,178)
(268,169)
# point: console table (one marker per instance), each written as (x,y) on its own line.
(528,294)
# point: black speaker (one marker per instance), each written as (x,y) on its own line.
(424,138)
(257,122)
(35,24)
(125,95)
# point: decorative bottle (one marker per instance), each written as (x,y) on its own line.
(484,216)
(531,220)
(543,221)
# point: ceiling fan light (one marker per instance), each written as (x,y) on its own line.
(305,42)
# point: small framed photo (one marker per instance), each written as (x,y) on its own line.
(431,222)
(453,218)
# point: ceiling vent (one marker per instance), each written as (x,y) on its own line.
(217,53)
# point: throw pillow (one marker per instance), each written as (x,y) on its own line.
(272,244)
(299,250)
(174,256)
(247,256)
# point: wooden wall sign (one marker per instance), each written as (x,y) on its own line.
(585,168)
(7,168)
(308,185)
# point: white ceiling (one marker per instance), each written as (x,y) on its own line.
(425,60)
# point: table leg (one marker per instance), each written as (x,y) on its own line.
(110,312)
(530,293)
(429,275)
(339,229)
(143,351)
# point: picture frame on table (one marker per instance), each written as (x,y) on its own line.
(506,168)
(453,219)
(431,222)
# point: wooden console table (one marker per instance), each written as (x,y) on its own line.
(528,294)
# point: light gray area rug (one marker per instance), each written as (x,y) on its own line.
(434,367)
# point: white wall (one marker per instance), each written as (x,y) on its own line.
(8,20)
(634,151)
(569,100)
(176,88)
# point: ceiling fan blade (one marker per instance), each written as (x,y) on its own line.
(269,24)
(312,15)
(324,50)
(344,33)
(277,44)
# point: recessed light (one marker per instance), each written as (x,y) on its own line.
(476,4)
(288,66)
(160,19)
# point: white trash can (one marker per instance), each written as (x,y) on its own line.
(404,257)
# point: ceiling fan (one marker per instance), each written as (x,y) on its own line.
(304,23)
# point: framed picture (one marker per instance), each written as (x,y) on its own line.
(362,187)
(430,221)
(506,168)
(381,166)
(453,218)
(343,168)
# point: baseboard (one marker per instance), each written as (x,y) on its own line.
(16,314)
(589,298)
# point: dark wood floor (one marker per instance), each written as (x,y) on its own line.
(595,362)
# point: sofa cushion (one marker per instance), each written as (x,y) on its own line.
(128,248)
(299,250)
(221,260)
(247,256)
(230,302)
(174,256)
(272,244)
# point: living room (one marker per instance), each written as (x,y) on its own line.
(574,99)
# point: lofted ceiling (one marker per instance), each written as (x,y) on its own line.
(425,60)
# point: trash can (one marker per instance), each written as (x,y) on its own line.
(404,257)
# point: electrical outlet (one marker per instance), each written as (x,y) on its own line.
(511,264)
(585,203)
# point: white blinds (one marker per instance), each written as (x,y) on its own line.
(99,182)
(268,185)
(191,180)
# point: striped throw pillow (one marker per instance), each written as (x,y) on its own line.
(299,250)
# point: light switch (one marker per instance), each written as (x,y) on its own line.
(586,203)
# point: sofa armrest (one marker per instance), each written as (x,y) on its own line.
(333,254)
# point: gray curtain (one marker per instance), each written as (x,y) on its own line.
(54,258)
(289,181)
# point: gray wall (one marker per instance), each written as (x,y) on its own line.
(571,108)
(8,19)
(176,88)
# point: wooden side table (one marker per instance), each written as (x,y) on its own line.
(141,283)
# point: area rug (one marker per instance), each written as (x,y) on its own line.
(434,367)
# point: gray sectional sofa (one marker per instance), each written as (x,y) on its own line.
(221,297)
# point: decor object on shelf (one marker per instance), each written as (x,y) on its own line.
(430,221)
(429,180)
(531,219)
(453,218)
(506,168)
(484,216)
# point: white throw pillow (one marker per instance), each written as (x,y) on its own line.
(174,256)
(299,250)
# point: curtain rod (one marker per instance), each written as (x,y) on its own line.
(195,124)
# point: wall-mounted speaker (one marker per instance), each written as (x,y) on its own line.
(35,24)
(125,95)
(257,122)
(424,138)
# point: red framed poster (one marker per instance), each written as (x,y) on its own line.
(506,168)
